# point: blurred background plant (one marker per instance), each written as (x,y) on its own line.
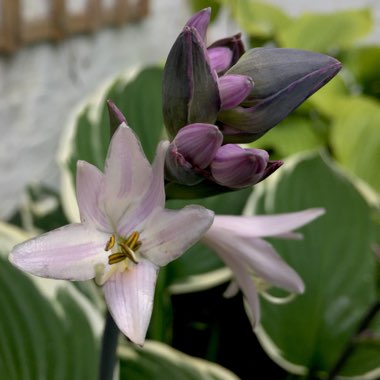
(331,149)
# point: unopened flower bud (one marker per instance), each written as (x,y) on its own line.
(200,21)
(220,58)
(236,167)
(190,89)
(192,150)
(234,89)
(235,48)
(116,117)
(284,78)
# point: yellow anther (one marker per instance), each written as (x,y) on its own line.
(128,252)
(132,240)
(126,248)
(116,258)
(110,243)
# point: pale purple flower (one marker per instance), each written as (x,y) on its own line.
(255,264)
(125,234)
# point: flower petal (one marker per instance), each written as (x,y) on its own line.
(153,197)
(71,252)
(220,58)
(127,171)
(242,278)
(266,225)
(89,183)
(169,233)
(129,296)
(248,288)
(267,264)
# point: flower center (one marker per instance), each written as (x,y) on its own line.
(125,248)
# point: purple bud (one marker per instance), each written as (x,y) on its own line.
(234,89)
(191,152)
(198,143)
(116,117)
(220,58)
(236,167)
(178,170)
(200,22)
(234,44)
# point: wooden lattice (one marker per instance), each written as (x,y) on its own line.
(60,22)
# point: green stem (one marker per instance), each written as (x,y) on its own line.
(350,347)
(108,349)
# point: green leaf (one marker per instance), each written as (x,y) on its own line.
(294,134)
(44,335)
(363,62)
(325,32)
(330,98)
(199,259)
(355,138)
(334,259)
(139,98)
(157,361)
(257,18)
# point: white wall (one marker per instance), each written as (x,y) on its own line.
(41,84)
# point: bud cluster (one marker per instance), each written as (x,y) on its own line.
(197,153)
(220,95)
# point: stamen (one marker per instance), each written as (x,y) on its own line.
(132,240)
(127,251)
(116,258)
(110,243)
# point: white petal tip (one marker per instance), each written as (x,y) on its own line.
(317,212)
(301,289)
(123,125)
(133,337)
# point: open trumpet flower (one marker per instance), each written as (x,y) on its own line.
(125,234)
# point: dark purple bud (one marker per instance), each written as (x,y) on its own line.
(234,44)
(200,22)
(190,90)
(271,168)
(284,79)
(116,117)
(236,167)
(220,58)
(234,89)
